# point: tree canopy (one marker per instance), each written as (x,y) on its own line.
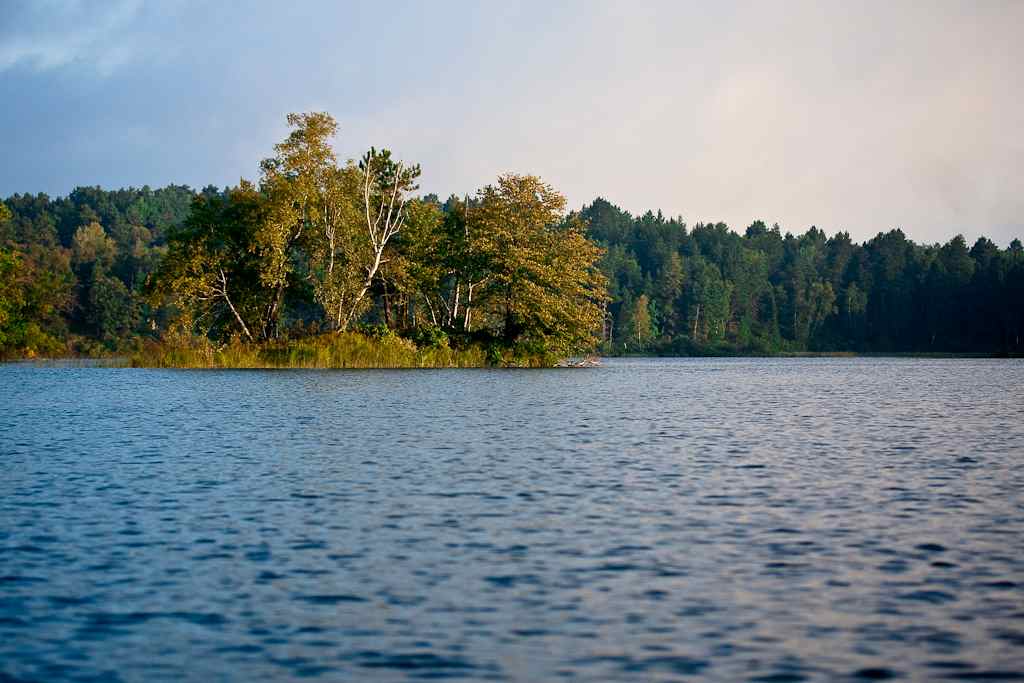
(712,290)
(319,246)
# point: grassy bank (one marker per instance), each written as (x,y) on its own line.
(347,350)
(356,350)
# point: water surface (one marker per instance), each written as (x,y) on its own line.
(724,520)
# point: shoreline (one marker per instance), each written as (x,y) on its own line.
(124,361)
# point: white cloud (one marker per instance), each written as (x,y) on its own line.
(49,35)
(844,115)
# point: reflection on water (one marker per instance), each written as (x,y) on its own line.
(771,520)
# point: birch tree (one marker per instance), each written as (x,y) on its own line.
(386,187)
(313,211)
(446,263)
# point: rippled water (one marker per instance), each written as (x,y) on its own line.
(772,520)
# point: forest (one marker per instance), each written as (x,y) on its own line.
(318,249)
(679,290)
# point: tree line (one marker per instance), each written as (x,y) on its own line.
(315,246)
(318,246)
(679,290)
(73,269)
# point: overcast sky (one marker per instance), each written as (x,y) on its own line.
(856,116)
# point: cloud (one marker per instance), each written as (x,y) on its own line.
(843,115)
(50,34)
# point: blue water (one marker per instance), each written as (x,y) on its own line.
(722,520)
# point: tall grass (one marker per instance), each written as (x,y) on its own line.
(345,350)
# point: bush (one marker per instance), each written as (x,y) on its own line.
(375,330)
(344,350)
(430,337)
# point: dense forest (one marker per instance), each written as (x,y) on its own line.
(706,289)
(313,249)
(73,270)
(317,247)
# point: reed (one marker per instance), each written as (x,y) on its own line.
(345,350)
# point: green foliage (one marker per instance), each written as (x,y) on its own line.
(540,284)
(92,248)
(113,314)
(215,270)
(36,291)
(430,336)
(375,330)
(63,245)
(507,266)
(334,350)
(255,274)
(11,298)
(715,291)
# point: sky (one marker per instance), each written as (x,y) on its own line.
(856,116)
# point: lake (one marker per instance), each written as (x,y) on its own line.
(710,519)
